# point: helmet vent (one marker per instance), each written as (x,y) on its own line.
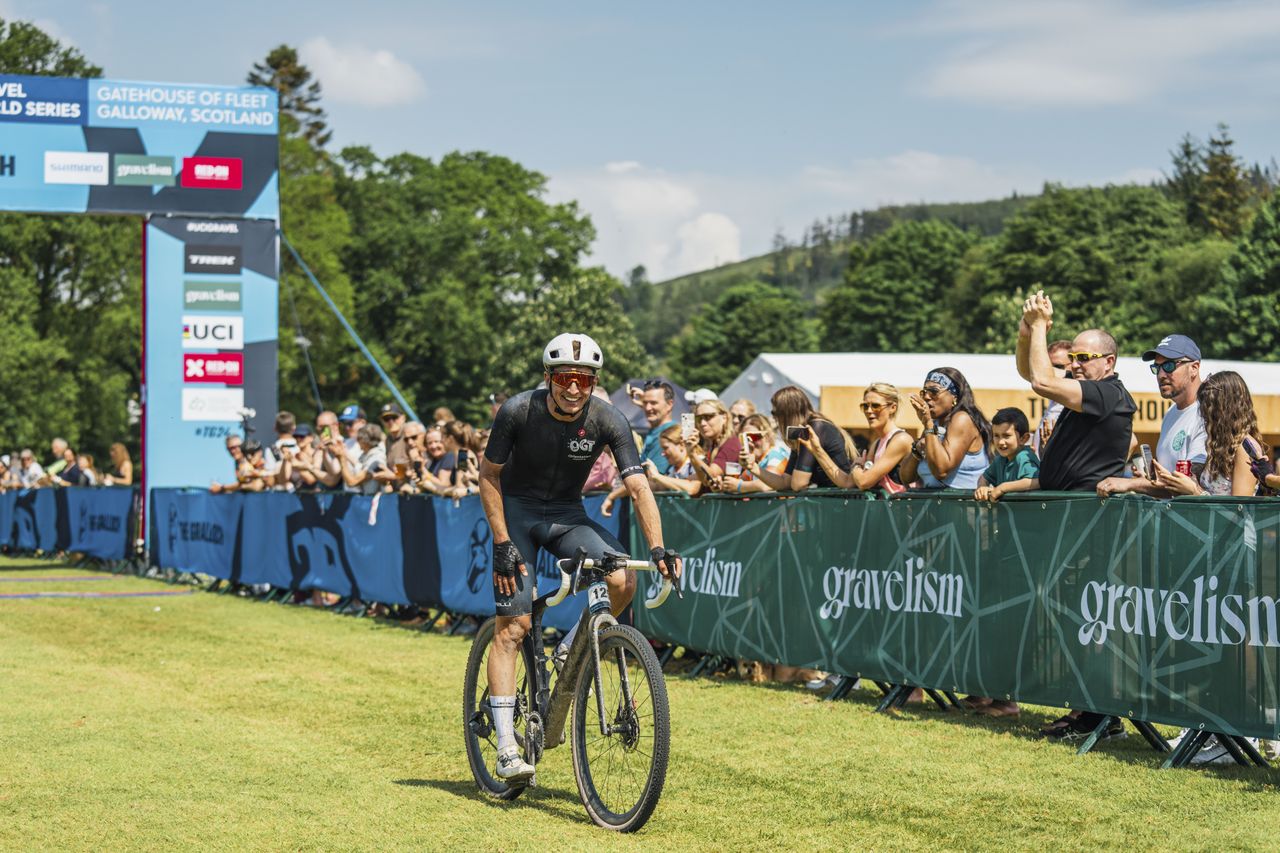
(577,350)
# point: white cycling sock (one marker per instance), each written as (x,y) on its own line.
(568,639)
(504,712)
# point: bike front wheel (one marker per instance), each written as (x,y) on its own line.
(620,771)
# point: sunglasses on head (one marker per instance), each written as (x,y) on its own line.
(1168,366)
(568,377)
(1083,357)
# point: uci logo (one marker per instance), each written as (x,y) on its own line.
(581,445)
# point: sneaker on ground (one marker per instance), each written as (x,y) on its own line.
(817,684)
(1213,752)
(1081,728)
(513,769)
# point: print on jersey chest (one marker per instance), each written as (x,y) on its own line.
(578,445)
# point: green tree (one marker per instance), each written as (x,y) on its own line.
(743,322)
(27,49)
(1225,190)
(299,94)
(1239,316)
(1185,185)
(890,300)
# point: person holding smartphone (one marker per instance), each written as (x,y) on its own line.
(373,459)
(891,444)
(798,422)
(761,448)
(714,446)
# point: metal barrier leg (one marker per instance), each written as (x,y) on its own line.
(938,698)
(430,625)
(1251,751)
(1187,747)
(890,698)
(667,654)
(1153,737)
(1095,734)
(703,664)
(1233,748)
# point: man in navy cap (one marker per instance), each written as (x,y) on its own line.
(1175,361)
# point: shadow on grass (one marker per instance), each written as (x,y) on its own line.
(549,800)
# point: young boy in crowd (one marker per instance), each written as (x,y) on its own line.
(1015,467)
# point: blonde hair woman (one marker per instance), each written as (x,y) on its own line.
(121,467)
(792,408)
(878,467)
(713,447)
(762,448)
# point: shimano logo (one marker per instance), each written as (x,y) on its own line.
(1200,615)
(911,591)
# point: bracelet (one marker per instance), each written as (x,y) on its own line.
(739,489)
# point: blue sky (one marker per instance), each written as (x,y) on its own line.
(692,132)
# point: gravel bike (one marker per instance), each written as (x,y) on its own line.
(611,681)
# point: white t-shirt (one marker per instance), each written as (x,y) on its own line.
(373,459)
(1182,436)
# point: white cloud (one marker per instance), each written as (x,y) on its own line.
(354,74)
(1088,52)
(913,176)
(706,241)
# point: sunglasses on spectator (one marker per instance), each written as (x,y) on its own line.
(1168,366)
(875,407)
(757,437)
(930,392)
(1061,366)
(232,448)
(567,378)
(706,416)
(1082,357)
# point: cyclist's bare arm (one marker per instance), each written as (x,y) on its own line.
(491,500)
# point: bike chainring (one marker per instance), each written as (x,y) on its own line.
(533,737)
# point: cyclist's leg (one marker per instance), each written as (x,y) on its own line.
(513,623)
(579,531)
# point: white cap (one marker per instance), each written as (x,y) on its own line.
(702,395)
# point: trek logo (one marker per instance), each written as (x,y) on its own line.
(77,167)
(911,591)
(212,332)
(210,296)
(212,173)
(227,368)
(213,259)
(8,165)
(132,170)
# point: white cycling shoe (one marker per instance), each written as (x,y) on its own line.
(513,769)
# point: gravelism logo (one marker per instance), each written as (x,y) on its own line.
(1199,615)
(911,590)
(141,170)
(210,296)
(707,574)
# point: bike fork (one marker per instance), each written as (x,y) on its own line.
(605,728)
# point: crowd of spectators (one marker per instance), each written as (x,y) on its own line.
(20,469)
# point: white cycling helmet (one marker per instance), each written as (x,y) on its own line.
(573,350)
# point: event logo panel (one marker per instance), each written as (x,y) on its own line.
(212,173)
(212,404)
(210,296)
(224,260)
(226,368)
(212,332)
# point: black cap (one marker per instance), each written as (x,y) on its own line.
(391,409)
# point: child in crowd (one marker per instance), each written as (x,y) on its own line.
(1014,467)
(682,477)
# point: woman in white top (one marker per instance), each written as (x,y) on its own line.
(1233,441)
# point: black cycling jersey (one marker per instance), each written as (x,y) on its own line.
(548,459)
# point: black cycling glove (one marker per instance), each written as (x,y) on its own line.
(664,555)
(506,558)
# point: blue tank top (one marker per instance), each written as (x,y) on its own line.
(966,475)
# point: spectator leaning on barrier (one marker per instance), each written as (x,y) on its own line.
(1090,442)
(373,459)
(71,473)
(680,476)
(760,449)
(440,462)
(878,466)
(253,473)
(393,420)
(1233,443)
(657,399)
(59,449)
(30,472)
(235,449)
(794,412)
(953,451)
(298,472)
(460,440)
(713,448)
(91,475)
(1015,467)
(326,449)
(1176,364)
(1052,408)
(8,476)
(351,419)
(121,473)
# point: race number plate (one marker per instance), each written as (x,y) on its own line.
(598,597)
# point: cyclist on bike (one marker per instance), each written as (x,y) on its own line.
(541,449)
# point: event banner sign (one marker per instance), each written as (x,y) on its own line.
(1165,611)
(387,548)
(211,315)
(94,521)
(114,146)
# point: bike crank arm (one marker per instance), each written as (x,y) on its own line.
(566,580)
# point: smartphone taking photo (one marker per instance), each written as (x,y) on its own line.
(1146,461)
(687,428)
(796,433)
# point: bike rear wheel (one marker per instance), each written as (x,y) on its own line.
(477,720)
(620,775)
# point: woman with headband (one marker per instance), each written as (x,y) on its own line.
(952,452)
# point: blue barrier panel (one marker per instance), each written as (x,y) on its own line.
(264,541)
(197,532)
(7,501)
(35,520)
(98,521)
(371,529)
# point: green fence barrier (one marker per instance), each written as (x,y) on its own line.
(1163,611)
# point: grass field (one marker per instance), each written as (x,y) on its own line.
(211,722)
